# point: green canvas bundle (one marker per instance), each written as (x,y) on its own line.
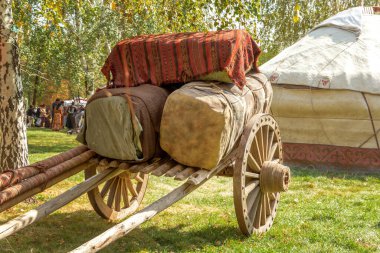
(124,123)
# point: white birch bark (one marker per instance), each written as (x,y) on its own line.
(13,143)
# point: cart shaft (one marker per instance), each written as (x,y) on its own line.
(150,211)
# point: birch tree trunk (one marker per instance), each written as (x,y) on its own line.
(13,144)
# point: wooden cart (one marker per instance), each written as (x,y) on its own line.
(116,188)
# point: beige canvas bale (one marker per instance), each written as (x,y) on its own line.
(202,120)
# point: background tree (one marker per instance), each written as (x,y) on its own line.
(68,40)
(13,144)
(283,22)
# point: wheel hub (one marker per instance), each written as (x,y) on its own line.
(274,177)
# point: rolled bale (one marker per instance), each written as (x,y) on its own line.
(124,123)
(202,121)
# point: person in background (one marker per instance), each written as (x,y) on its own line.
(48,118)
(43,115)
(53,107)
(37,121)
(79,119)
(64,117)
(70,121)
(30,113)
(58,117)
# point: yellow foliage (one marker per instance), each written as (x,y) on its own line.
(297,17)
(52,92)
(113,5)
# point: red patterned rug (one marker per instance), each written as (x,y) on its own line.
(181,57)
(337,156)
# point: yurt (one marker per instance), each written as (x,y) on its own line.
(327,92)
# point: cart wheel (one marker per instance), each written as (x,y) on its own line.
(118,197)
(259,176)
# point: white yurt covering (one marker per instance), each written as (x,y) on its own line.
(327,91)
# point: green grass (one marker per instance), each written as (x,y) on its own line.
(324,211)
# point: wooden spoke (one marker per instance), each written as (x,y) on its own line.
(111,196)
(252,175)
(256,152)
(252,164)
(270,142)
(251,185)
(124,192)
(106,187)
(272,151)
(254,211)
(263,216)
(266,141)
(118,195)
(138,178)
(252,196)
(267,204)
(258,214)
(260,142)
(130,187)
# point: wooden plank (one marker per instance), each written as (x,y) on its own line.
(114,164)
(123,166)
(137,167)
(104,162)
(147,213)
(148,169)
(45,209)
(173,171)
(185,174)
(161,170)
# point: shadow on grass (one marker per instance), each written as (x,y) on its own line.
(62,232)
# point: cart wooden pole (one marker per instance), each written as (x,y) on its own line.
(150,211)
(45,209)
